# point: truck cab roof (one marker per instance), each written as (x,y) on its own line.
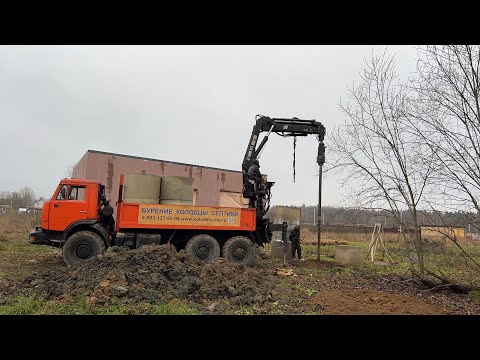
(78,181)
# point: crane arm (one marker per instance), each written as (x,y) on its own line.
(280,126)
(260,196)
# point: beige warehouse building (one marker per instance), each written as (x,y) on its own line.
(212,186)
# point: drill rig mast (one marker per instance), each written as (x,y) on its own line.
(282,127)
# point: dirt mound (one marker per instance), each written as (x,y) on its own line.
(152,274)
(368,302)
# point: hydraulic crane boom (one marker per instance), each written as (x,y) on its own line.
(282,127)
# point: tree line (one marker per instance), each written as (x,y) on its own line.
(22,198)
(369,217)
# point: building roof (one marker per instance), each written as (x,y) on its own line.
(158,160)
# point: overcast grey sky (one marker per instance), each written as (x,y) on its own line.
(192,104)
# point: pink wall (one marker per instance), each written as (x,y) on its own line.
(107,168)
(79,169)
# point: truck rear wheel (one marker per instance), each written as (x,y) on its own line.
(239,250)
(81,246)
(203,247)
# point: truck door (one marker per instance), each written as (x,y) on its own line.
(69,205)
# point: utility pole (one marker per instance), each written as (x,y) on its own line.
(314,216)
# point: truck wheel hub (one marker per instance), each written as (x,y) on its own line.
(203,252)
(240,253)
(83,251)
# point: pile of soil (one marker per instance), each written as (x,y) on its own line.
(151,274)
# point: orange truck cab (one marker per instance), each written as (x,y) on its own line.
(79,219)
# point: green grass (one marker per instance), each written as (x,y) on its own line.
(306,291)
(30,305)
(246,310)
(22,305)
(19,244)
(253,310)
(475,295)
(173,309)
(450,261)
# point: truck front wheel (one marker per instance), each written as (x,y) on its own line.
(203,247)
(81,246)
(239,250)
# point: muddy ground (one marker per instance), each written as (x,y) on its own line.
(151,274)
(158,274)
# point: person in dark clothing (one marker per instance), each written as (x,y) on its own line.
(295,241)
(254,171)
(255,177)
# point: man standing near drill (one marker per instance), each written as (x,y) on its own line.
(295,241)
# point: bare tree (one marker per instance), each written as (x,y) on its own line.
(413,145)
(69,170)
(448,121)
(5,197)
(26,196)
(378,155)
